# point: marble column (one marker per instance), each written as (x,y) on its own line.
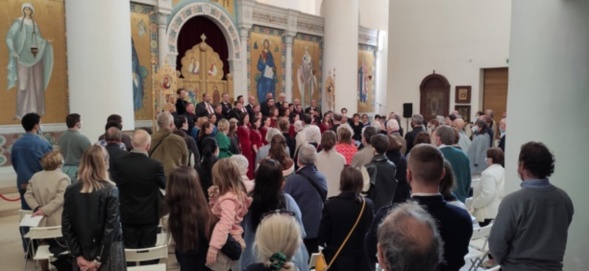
(341,51)
(162,38)
(99,63)
(243,89)
(288,39)
(547,102)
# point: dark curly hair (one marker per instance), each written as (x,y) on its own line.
(537,159)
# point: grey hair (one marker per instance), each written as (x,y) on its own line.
(409,239)
(418,119)
(312,134)
(271,133)
(307,155)
(164,119)
(393,125)
(241,162)
(446,134)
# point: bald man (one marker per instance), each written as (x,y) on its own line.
(139,179)
(463,141)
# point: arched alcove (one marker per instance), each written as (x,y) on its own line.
(435,96)
(190,35)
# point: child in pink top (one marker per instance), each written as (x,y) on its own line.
(229,202)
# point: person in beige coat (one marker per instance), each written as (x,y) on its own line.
(489,190)
(46,188)
(45,193)
(166,147)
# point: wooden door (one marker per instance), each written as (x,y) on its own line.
(495,91)
(435,96)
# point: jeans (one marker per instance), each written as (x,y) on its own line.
(23,230)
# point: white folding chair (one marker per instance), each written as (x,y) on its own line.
(478,248)
(40,233)
(147,254)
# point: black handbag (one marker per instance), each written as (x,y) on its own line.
(232,248)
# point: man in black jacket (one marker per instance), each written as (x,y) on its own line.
(139,179)
(382,173)
(113,146)
(225,105)
(425,169)
(417,125)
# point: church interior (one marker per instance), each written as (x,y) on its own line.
(528,61)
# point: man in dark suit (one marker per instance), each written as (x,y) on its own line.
(237,110)
(250,106)
(281,101)
(381,171)
(181,102)
(425,169)
(225,105)
(139,179)
(265,106)
(417,125)
(314,107)
(204,108)
(113,138)
(190,115)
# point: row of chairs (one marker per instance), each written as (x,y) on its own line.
(159,252)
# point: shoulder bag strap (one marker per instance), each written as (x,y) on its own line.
(349,234)
(321,194)
(157,145)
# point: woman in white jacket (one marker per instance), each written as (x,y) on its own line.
(489,191)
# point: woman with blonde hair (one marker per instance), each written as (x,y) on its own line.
(91,223)
(222,139)
(229,203)
(278,238)
(45,192)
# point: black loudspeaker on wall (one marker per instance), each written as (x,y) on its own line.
(407,110)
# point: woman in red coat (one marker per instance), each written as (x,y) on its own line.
(256,140)
(243,133)
(264,129)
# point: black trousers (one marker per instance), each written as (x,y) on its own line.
(140,236)
(312,245)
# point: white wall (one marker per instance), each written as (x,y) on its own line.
(456,38)
(549,68)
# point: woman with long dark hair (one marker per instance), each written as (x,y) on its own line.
(191,220)
(91,222)
(206,130)
(210,153)
(268,196)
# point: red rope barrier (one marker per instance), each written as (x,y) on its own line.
(7,199)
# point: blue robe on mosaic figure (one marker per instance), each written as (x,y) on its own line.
(266,84)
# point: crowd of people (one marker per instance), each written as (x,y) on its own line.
(265,185)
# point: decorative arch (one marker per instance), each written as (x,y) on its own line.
(435,96)
(216,14)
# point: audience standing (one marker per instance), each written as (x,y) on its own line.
(344,145)
(168,148)
(364,156)
(346,218)
(408,239)
(417,126)
(91,223)
(308,187)
(394,154)
(72,145)
(190,221)
(381,171)
(444,138)
(268,196)
(425,169)
(330,163)
(531,228)
(490,189)
(139,180)
(477,153)
(182,130)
